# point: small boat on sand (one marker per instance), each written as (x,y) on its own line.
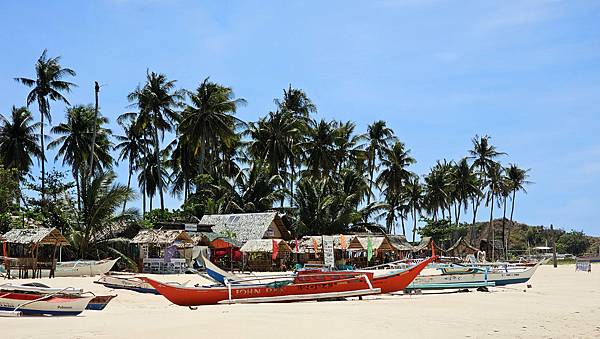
(126,282)
(39,299)
(81,268)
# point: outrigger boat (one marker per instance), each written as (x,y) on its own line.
(461,277)
(39,299)
(82,267)
(126,282)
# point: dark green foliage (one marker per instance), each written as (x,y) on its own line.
(574,242)
(443,231)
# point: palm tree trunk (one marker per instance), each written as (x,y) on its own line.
(414,215)
(459,206)
(371,170)
(158,165)
(128,185)
(473,230)
(93,143)
(78,187)
(202,151)
(504,229)
(492,228)
(512,209)
(43,105)
(402,221)
(293,177)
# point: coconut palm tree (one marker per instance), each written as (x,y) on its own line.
(209,118)
(157,101)
(483,155)
(413,191)
(465,185)
(18,141)
(47,85)
(131,146)
(296,102)
(75,138)
(438,190)
(494,188)
(516,178)
(347,150)
(319,148)
(101,205)
(377,138)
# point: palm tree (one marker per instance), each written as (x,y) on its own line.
(209,117)
(153,175)
(494,185)
(377,138)
(131,146)
(75,138)
(438,190)
(483,155)
(392,179)
(296,102)
(516,181)
(157,102)
(319,148)
(347,151)
(18,141)
(48,85)
(100,207)
(413,192)
(465,185)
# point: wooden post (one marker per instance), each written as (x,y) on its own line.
(553,246)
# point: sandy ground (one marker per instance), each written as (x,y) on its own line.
(562,303)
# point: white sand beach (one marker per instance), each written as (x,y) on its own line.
(562,303)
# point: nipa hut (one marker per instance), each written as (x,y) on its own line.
(461,248)
(248,226)
(163,251)
(266,254)
(402,246)
(383,251)
(22,249)
(310,249)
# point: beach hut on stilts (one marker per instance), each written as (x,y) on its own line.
(31,249)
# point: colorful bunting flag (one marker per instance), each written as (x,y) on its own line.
(315,247)
(342,241)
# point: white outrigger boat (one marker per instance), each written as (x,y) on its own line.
(81,268)
(466,276)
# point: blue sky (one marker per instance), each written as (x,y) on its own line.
(525,72)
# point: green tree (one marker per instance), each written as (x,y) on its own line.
(494,188)
(18,141)
(377,138)
(465,186)
(48,85)
(157,102)
(74,140)
(413,191)
(574,242)
(516,181)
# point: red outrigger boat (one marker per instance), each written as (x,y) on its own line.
(352,283)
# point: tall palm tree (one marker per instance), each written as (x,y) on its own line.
(483,155)
(392,179)
(347,150)
(516,181)
(131,146)
(296,102)
(209,117)
(413,191)
(494,187)
(465,185)
(75,138)
(437,190)
(157,101)
(18,141)
(377,138)
(47,85)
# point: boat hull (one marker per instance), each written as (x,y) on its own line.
(81,268)
(53,305)
(194,296)
(126,283)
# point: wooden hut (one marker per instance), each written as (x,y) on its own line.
(402,246)
(310,249)
(383,251)
(461,248)
(248,226)
(259,256)
(163,251)
(22,247)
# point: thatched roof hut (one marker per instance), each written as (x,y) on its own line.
(38,236)
(247,226)
(265,245)
(424,245)
(400,243)
(461,247)
(379,243)
(161,237)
